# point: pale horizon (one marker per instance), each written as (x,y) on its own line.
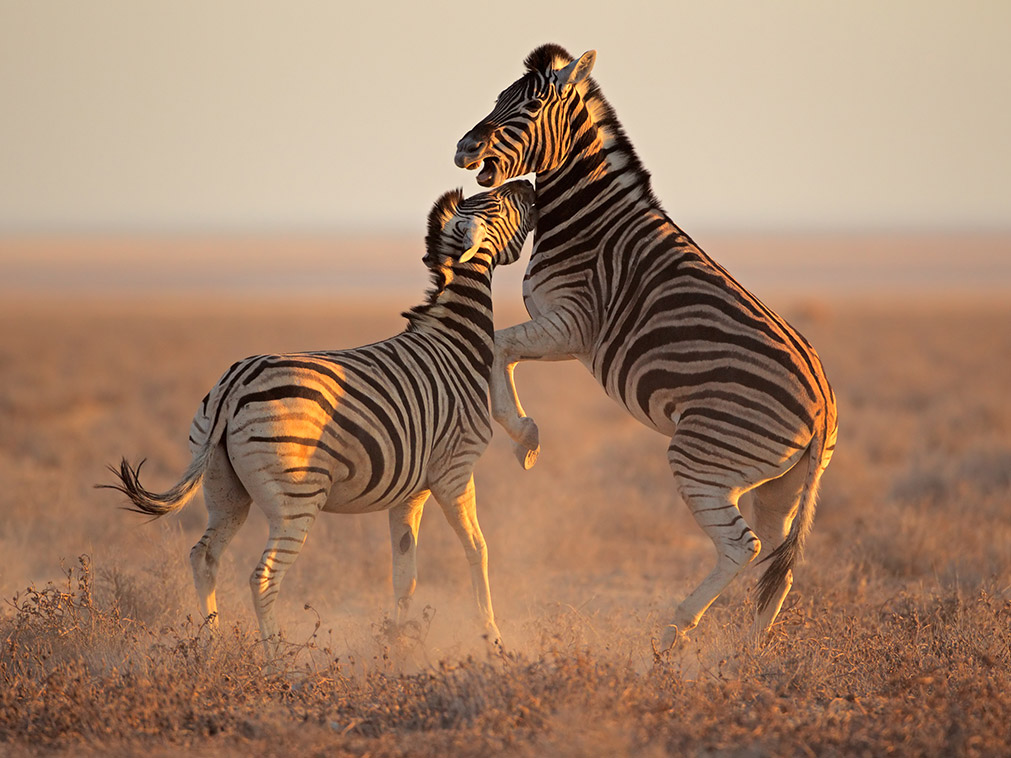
(307,119)
(389,269)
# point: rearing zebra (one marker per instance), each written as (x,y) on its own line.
(668,333)
(353,431)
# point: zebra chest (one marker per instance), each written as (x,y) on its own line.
(552,279)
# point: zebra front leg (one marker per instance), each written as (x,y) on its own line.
(287,535)
(508,412)
(549,337)
(405,520)
(460,506)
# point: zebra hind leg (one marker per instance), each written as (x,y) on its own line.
(714,506)
(286,538)
(227,507)
(775,505)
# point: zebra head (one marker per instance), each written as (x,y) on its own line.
(494,223)
(534,120)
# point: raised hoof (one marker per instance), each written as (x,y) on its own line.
(528,444)
(527,458)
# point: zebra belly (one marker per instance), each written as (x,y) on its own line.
(283,466)
(346,499)
(661,412)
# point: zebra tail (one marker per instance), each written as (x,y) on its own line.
(156,504)
(785,557)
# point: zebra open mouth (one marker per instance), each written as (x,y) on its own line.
(486,176)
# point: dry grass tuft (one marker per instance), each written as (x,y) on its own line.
(923,674)
(896,639)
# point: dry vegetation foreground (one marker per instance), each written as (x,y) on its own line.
(896,639)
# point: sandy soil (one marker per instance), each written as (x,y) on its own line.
(590,551)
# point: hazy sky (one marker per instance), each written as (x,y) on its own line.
(127,116)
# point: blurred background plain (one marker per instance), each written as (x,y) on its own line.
(238,147)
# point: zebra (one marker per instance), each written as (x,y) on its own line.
(666,331)
(378,427)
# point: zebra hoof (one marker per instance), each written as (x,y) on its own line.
(527,458)
(493,638)
(672,639)
(528,443)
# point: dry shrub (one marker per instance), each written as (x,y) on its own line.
(921,672)
(894,641)
(58,626)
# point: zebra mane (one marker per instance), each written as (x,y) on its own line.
(435,259)
(547,57)
(551,56)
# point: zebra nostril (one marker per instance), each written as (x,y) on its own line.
(469,151)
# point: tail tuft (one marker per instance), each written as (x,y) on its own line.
(155,504)
(782,560)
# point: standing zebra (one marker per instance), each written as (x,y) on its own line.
(668,333)
(373,428)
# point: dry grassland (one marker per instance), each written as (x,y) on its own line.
(895,641)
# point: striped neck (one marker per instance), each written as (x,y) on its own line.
(601,168)
(460,306)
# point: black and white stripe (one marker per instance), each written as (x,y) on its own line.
(373,428)
(667,332)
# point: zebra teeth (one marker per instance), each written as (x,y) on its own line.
(472,165)
(487,175)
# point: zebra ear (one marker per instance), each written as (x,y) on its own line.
(576,72)
(474,237)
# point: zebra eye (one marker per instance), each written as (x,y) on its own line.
(534,106)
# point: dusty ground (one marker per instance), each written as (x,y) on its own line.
(895,640)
